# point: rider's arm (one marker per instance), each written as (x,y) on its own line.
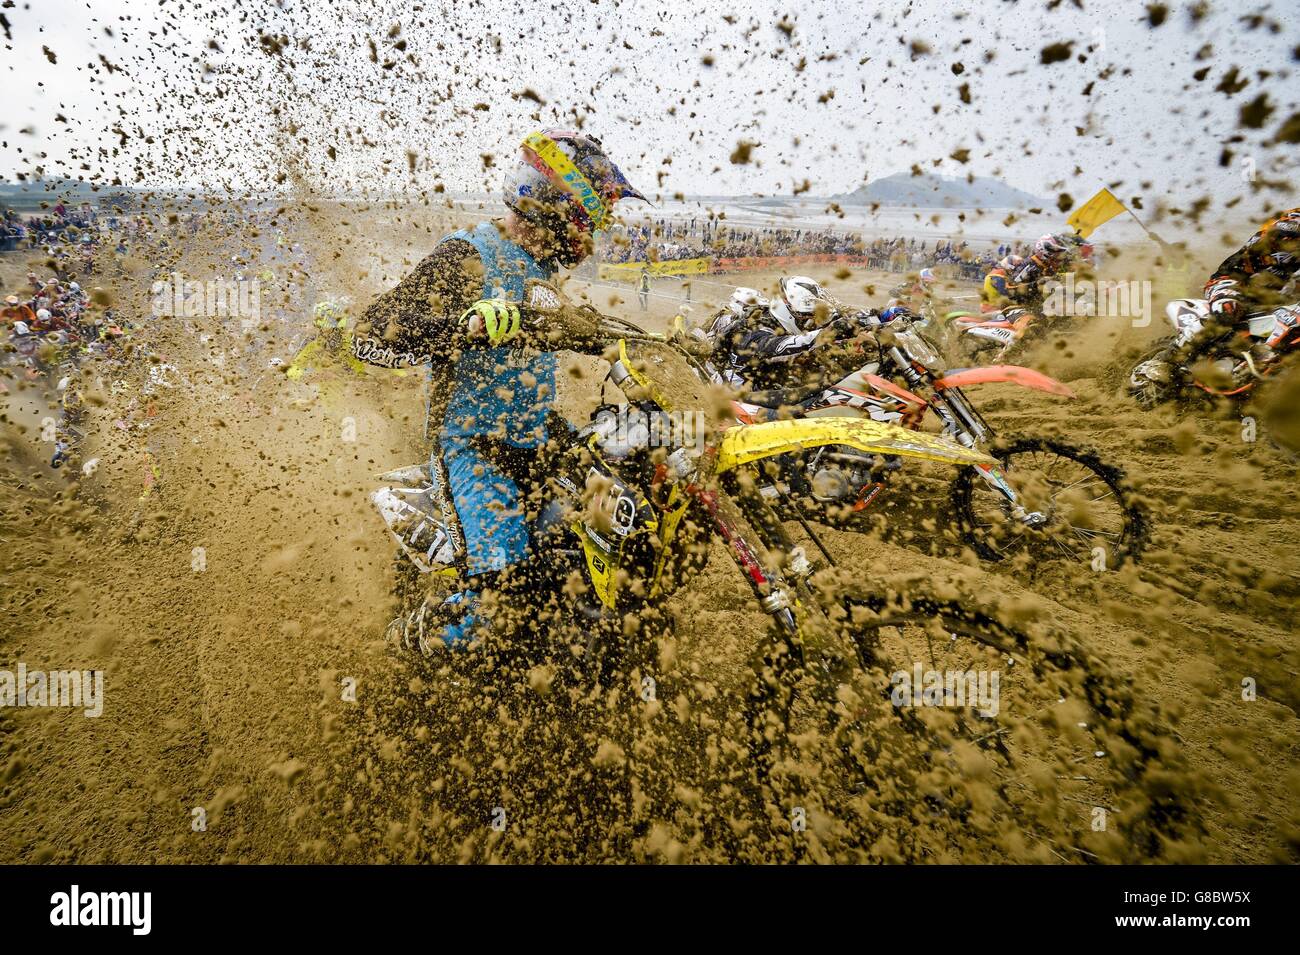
(1275,248)
(765,345)
(304,358)
(1228,289)
(1028,274)
(420,317)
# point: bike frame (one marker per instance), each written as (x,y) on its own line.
(941,395)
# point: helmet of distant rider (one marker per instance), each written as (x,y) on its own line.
(1285,225)
(329,314)
(1057,246)
(565,184)
(1011,262)
(927,277)
(801,295)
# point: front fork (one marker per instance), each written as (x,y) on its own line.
(994,478)
(780,575)
(778,590)
(962,422)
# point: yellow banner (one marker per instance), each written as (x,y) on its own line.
(631,271)
(1100,208)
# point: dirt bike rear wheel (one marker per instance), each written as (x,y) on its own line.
(1087,504)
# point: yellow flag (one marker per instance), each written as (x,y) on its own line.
(1100,208)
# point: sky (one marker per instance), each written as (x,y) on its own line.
(740,99)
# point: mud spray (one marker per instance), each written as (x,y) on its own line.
(221,565)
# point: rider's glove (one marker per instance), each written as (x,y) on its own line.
(1248,369)
(329,314)
(842,327)
(493,317)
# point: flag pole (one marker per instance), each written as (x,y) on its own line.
(1165,247)
(1143,227)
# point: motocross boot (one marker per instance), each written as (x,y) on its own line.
(451,623)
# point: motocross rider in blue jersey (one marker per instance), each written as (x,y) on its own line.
(493,377)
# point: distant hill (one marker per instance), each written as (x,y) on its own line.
(937,192)
(30,194)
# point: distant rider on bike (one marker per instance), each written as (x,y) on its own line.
(1017,282)
(916,294)
(761,346)
(1252,280)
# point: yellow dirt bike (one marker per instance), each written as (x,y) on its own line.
(860,688)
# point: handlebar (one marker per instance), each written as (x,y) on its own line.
(584,327)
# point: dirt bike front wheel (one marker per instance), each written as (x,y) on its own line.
(1036,747)
(969,349)
(952,734)
(1075,506)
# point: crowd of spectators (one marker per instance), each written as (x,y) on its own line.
(960,258)
(662,240)
(54,312)
(668,241)
(59,225)
(733,243)
(671,240)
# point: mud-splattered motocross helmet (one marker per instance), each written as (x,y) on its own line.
(564,183)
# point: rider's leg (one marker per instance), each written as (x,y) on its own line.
(490,507)
(494,524)
(1158,377)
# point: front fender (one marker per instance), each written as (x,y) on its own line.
(753,442)
(1015,374)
